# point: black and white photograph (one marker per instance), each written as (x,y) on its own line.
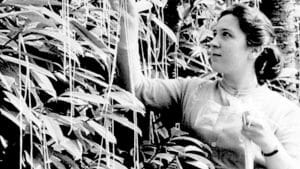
(149,84)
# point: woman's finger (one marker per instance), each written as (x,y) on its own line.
(253,123)
(247,133)
(115,4)
(125,6)
(131,9)
(250,120)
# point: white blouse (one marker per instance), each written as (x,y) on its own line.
(214,115)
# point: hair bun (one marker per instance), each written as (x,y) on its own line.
(268,65)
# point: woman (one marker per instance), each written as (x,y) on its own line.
(229,112)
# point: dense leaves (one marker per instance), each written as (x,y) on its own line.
(59,104)
(64,108)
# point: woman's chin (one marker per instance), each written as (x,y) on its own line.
(214,65)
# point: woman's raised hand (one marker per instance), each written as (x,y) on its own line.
(129,23)
(259,131)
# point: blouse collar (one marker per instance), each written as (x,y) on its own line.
(236,92)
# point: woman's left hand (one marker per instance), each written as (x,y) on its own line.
(129,23)
(259,131)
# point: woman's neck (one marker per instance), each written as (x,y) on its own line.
(245,82)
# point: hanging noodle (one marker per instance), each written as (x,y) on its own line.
(27,90)
(20,103)
(124,7)
(69,64)
(104,106)
(107,123)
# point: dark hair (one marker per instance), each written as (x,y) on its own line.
(259,33)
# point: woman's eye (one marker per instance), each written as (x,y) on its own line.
(226,34)
(214,33)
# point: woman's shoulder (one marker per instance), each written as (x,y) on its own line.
(197,86)
(279,97)
(280,102)
(198,83)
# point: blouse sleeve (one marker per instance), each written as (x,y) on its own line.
(160,94)
(288,132)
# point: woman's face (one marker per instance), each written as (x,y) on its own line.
(229,52)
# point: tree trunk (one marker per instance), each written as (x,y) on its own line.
(281,15)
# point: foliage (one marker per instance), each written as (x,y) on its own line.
(174,148)
(57,83)
(57,94)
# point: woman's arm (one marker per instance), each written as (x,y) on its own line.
(281,159)
(282,148)
(156,94)
(129,68)
(128,52)
(288,136)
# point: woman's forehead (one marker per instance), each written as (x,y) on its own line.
(227,22)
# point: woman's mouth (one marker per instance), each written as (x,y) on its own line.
(211,54)
(215,54)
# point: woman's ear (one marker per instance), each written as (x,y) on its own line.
(255,52)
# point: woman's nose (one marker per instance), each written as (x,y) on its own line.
(213,43)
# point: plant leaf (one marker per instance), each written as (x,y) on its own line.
(200,159)
(166,156)
(31,66)
(7,81)
(12,117)
(206,2)
(143,5)
(176,148)
(96,43)
(44,83)
(53,33)
(39,19)
(93,98)
(102,131)
(124,121)
(90,73)
(195,149)
(83,32)
(116,164)
(204,33)
(183,10)
(32,2)
(44,11)
(34,163)
(165,28)
(192,140)
(157,162)
(91,78)
(96,148)
(128,100)
(53,129)
(68,120)
(74,147)
(160,3)
(198,164)
(56,162)
(22,107)
(3,15)
(70,100)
